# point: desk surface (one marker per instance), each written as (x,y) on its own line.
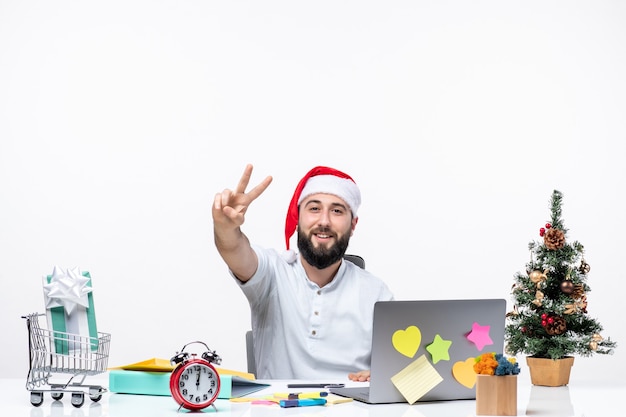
(575,400)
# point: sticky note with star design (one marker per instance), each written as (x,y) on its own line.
(480,336)
(417,379)
(438,349)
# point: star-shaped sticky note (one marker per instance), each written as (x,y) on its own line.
(438,349)
(480,336)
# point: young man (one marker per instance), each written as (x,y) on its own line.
(312,311)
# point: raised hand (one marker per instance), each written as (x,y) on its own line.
(230,206)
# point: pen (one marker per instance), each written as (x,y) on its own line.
(327,385)
(302,403)
(300,395)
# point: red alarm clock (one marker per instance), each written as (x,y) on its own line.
(194,382)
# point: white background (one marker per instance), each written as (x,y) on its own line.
(120,120)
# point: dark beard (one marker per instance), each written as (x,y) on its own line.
(322,257)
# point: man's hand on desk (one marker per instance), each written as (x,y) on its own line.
(361,376)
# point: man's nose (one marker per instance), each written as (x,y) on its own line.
(324,219)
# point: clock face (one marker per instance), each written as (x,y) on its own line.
(195,384)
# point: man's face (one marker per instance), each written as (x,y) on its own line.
(325,226)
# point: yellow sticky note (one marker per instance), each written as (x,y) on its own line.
(416,379)
(407,341)
(336,399)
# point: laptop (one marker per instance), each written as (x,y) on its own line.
(450,333)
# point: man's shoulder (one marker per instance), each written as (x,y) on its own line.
(359,273)
(365,279)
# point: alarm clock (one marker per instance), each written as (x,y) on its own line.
(194,382)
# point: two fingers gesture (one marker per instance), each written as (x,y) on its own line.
(230,206)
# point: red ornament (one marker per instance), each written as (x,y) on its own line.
(544,323)
(542,232)
(544,316)
(548,225)
(550,320)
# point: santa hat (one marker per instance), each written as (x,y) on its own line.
(321,180)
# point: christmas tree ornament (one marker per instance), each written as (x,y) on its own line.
(567,286)
(538,277)
(584,267)
(595,339)
(538,301)
(555,325)
(554,239)
(578,292)
(542,230)
(576,307)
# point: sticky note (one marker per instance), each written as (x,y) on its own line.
(480,336)
(336,399)
(438,349)
(416,379)
(407,341)
(464,373)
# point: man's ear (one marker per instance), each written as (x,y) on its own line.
(355,220)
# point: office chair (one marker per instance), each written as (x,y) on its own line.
(355,259)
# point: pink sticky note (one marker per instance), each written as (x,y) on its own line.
(480,336)
(263,402)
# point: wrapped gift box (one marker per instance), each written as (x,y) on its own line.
(70,311)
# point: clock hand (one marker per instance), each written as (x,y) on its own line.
(198,379)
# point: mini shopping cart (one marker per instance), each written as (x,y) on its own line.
(53,352)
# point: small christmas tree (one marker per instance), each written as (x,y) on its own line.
(550,317)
